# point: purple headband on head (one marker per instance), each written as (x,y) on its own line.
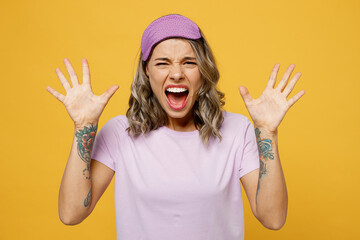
(173,25)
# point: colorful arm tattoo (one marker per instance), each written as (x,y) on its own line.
(265,153)
(85,140)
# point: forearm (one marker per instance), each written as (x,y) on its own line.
(75,189)
(271,195)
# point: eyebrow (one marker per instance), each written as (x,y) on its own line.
(167,59)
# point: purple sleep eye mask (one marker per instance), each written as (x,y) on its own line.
(173,25)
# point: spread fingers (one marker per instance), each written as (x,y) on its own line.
(285,78)
(58,96)
(71,72)
(63,80)
(291,84)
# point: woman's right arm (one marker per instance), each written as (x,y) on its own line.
(84,180)
(81,188)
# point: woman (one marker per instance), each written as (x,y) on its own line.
(177,158)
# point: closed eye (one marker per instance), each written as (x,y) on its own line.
(193,63)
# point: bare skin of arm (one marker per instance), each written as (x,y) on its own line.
(84,180)
(266,187)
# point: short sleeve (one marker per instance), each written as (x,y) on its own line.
(105,147)
(250,153)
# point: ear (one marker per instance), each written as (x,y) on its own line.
(147,71)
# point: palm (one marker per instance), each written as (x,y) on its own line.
(270,108)
(80,102)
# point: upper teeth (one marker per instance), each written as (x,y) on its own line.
(176,89)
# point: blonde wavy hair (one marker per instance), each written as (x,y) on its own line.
(145,112)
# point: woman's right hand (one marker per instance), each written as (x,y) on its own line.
(82,105)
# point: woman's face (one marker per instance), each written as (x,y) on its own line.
(175,79)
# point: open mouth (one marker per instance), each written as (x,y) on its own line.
(176,97)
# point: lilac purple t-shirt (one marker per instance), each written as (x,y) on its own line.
(169,185)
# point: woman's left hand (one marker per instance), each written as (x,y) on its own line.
(270,108)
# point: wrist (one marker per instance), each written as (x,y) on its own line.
(267,131)
(88,124)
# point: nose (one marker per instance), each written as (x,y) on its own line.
(176,72)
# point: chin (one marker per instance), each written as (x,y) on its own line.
(177,115)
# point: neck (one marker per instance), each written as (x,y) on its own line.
(185,124)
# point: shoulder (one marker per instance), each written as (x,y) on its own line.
(120,121)
(234,119)
(117,124)
(234,124)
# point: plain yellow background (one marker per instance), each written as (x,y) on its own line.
(318,139)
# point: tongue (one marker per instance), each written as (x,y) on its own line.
(177,98)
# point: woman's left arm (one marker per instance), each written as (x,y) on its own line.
(266,187)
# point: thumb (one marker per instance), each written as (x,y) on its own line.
(244,92)
(110,92)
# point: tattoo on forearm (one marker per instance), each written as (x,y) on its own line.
(265,153)
(85,140)
(86,171)
(87,200)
